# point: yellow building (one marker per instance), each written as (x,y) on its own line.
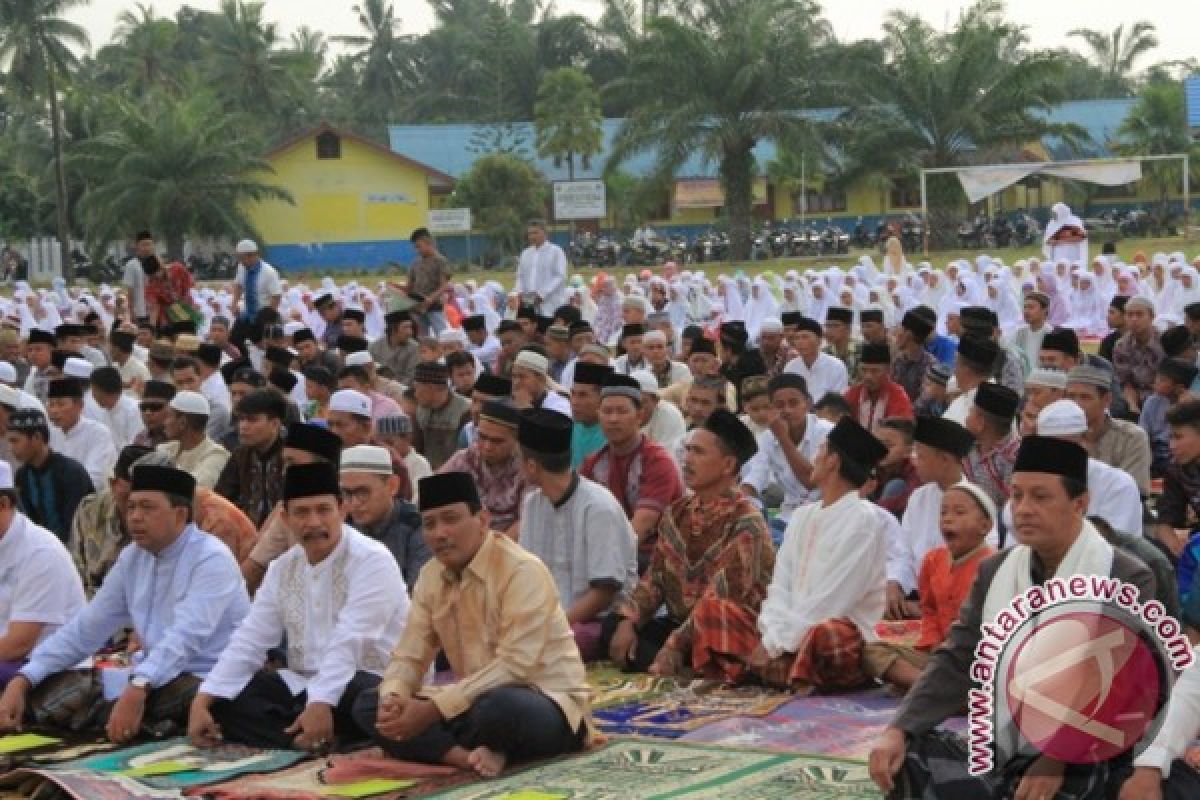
(356,202)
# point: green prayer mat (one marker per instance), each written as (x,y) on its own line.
(651,769)
(612,687)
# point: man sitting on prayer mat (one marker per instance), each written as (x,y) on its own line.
(947,573)
(714,545)
(940,445)
(178,588)
(338,600)
(41,589)
(1052,540)
(827,592)
(575,526)
(521,692)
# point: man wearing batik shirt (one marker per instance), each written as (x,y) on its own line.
(989,464)
(827,591)
(494,462)
(639,472)
(713,551)
(1137,353)
(838,326)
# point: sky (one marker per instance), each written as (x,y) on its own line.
(1048,21)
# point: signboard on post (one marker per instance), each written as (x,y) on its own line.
(579,200)
(450,220)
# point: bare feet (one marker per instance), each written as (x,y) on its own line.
(488,763)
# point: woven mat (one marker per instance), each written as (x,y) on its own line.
(645,769)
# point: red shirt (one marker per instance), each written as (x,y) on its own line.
(892,402)
(644,477)
(942,588)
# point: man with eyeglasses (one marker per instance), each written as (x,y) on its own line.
(153,407)
(369,488)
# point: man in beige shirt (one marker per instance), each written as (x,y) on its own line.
(493,608)
(189,447)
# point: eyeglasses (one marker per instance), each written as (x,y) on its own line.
(152,406)
(359,495)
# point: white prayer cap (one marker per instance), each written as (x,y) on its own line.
(6,475)
(359,359)
(534,362)
(981,497)
(1049,378)
(190,403)
(366,458)
(1061,418)
(78,368)
(290,328)
(771,325)
(451,335)
(246,246)
(9,397)
(654,336)
(647,381)
(8,373)
(350,401)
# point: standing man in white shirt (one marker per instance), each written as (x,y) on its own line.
(542,270)
(256,282)
(338,599)
(76,436)
(134,277)
(822,372)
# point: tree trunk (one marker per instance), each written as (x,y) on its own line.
(60,177)
(737,181)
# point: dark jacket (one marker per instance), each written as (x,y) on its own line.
(252,482)
(401,533)
(50,495)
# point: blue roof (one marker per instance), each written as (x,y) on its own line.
(448,148)
(1191,88)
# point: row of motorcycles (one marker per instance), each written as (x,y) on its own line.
(999,230)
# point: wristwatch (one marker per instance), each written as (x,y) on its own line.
(139,682)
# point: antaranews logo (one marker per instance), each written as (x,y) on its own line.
(1076,669)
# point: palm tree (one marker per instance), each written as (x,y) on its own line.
(1157,125)
(143,50)
(945,99)
(1115,52)
(382,79)
(176,167)
(35,47)
(716,82)
(251,71)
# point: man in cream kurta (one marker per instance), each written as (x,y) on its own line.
(521,692)
(338,600)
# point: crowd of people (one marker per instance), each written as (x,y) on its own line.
(277,510)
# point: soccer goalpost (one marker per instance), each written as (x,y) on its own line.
(980,182)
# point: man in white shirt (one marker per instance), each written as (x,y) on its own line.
(656,353)
(134,277)
(339,601)
(482,344)
(940,446)
(532,387)
(1112,493)
(42,590)
(822,372)
(661,422)
(212,383)
(786,450)
(973,366)
(120,413)
(542,270)
(268,287)
(133,370)
(76,436)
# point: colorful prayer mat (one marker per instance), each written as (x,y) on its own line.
(677,712)
(612,687)
(641,769)
(339,776)
(153,771)
(845,726)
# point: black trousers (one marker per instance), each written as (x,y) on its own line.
(651,638)
(521,723)
(259,714)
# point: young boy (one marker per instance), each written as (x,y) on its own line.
(934,398)
(756,403)
(1172,380)
(947,574)
(896,475)
(1179,504)
(831,407)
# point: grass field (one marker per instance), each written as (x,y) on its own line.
(939,259)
